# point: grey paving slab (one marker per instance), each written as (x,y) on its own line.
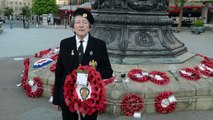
(41,113)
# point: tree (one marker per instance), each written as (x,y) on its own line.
(8,11)
(180,5)
(44,7)
(26,11)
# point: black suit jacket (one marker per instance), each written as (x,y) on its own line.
(67,62)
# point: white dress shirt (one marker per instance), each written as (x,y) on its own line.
(84,43)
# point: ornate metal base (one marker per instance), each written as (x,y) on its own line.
(137,37)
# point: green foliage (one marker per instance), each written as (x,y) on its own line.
(8,11)
(198,22)
(44,7)
(26,11)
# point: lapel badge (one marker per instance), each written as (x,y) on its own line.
(93,64)
(72,52)
(91,53)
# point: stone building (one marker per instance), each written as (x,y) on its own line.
(16,5)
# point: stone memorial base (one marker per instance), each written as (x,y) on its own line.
(190,95)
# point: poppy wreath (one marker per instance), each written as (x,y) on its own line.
(189,74)
(53,67)
(137,75)
(97,99)
(25,74)
(131,103)
(42,53)
(206,68)
(42,62)
(52,89)
(35,88)
(46,52)
(109,81)
(159,78)
(162,104)
(54,57)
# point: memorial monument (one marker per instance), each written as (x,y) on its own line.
(136,31)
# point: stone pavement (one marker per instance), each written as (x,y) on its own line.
(19,42)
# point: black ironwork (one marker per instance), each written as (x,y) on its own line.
(136,31)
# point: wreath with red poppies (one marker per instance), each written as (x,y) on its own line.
(34,87)
(97,99)
(138,75)
(189,74)
(165,102)
(46,52)
(206,68)
(109,81)
(54,57)
(25,74)
(159,78)
(53,67)
(42,53)
(131,103)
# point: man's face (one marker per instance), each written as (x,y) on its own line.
(81,26)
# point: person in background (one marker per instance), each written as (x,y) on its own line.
(70,57)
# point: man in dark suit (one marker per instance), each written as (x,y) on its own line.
(81,49)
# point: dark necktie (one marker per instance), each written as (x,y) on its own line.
(80,51)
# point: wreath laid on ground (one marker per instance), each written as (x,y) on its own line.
(165,102)
(46,52)
(54,57)
(53,67)
(159,78)
(206,66)
(97,99)
(138,75)
(109,81)
(131,103)
(34,87)
(189,74)
(25,74)
(42,62)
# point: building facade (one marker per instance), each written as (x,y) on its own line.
(16,5)
(71,2)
